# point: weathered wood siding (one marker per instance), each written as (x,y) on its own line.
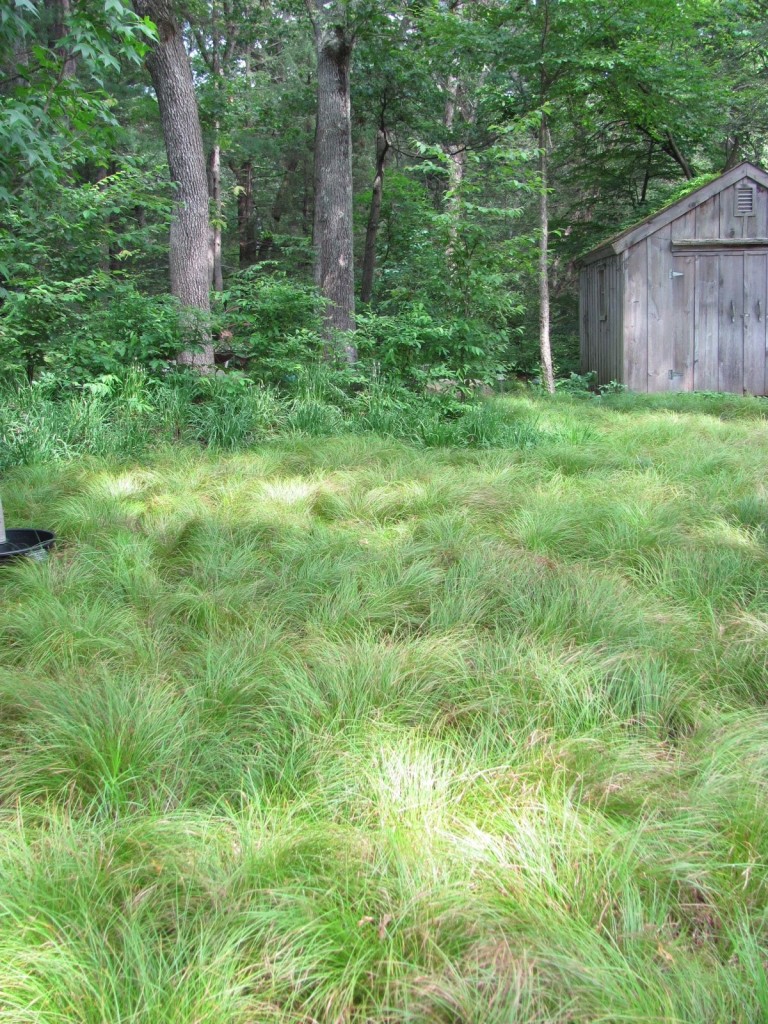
(707,219)
(707,341)
(601,321)
(731,295)
(730,354)
(732,226)
(680,301)
(635,325)
(659,310)
(755,338)
(670,314)
(683,315)
(697,320)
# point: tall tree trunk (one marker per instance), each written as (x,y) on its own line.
(246,228)
(59,14)
(455,150)
(109,262)
(374,217)
(647,175)
(545,347)
(214,191)
(334,265)
(172,79)
(214,176)
(732,152)
(544,323)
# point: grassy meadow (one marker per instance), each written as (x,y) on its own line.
(339,728)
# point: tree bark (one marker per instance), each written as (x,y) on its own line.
(334,264)
(671,147)
(214,191)
(647,175)
(545,346)
(544,318)
(374,217)
(455,151)
(732,152)
(246,228)
(171,75)
(60,11)
(214,175)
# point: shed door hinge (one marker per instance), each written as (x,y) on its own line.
(676,273)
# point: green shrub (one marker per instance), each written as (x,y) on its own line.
(82,329)
(271,324)
(421,348)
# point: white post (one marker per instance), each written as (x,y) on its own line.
(2,525)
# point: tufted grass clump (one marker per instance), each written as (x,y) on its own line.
(135,414)
(313,724)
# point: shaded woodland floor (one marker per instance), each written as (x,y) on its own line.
(345,730)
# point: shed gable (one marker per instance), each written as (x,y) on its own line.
(718,208)
(692,290)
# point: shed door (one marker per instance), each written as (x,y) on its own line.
(731,291)
(755,299)
(681,324)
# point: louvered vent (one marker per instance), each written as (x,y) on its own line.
(745,202)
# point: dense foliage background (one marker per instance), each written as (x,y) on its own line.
(448,102)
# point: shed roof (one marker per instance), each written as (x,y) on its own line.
(629,236)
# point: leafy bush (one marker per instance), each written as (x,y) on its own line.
(272,324)
(403,342)
(68,232)
(76,263)
(83,329)
(463,264)
(417,346)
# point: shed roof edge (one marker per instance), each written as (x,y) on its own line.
(637,232)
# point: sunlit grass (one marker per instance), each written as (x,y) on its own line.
(345,729)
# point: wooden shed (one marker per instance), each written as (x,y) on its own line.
(679,301)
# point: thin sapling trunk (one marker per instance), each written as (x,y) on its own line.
(374,218)
(545,347)
(214,187)
(544,319)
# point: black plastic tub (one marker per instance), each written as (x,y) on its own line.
(26,544)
